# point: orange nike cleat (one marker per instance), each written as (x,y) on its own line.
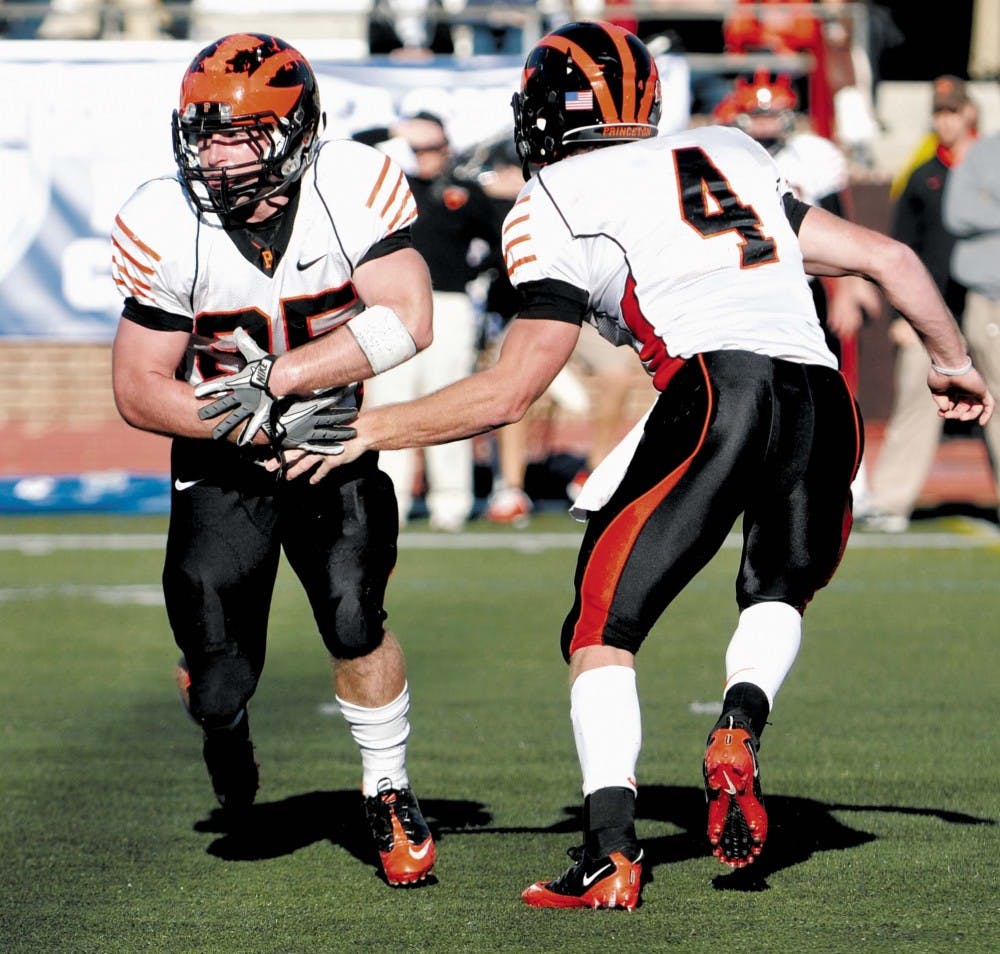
(613,881)
(403,840)
(510,505)
(737,821)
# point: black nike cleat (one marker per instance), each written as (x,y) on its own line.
(613,881)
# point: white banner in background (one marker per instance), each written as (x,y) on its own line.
(88,122)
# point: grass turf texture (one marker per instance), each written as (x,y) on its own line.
(879,767)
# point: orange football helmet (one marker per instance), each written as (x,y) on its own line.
(584,84)
(757,97)
(246,82)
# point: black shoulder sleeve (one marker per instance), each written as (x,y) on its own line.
(391,243)
(833,202)
(551,298)
(155,318)
(795,211)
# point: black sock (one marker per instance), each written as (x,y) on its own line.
(609,822)
(748,703)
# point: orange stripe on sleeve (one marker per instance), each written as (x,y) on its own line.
(133,280)
(135,239)
(142,268)
(392,195)
(514,266)
(517,221)
(378,183)
(127,281)
(404,209)
(516,241)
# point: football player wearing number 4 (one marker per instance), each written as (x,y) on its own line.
(271,273)
(689,250)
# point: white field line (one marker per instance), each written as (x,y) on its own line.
(39,544)
(114,594)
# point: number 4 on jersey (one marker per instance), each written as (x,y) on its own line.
(711,208)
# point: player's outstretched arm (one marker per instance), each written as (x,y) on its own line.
(833,246)
(533,353)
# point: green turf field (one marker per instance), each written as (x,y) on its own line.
(879,768)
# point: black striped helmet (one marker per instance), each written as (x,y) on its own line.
(588,82)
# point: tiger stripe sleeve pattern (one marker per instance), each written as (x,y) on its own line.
(133,264)
(516,238)
(391,199)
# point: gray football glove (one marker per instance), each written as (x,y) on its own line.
(315,425)
(245,394)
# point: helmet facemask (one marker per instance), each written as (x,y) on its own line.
(283,154)
(254,72)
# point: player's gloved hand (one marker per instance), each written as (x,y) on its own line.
(315,425)
(245,394)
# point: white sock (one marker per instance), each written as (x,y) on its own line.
(381,735)
(604,710)
(764,647)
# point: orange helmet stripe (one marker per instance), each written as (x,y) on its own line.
(591,70)
(216,82)
(648,96)
(617,36)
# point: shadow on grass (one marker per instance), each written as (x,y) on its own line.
(273,829)
(799,828)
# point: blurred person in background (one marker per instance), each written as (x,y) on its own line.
(972,214)
(271,273)
(498,171)
(94,19)
(452,213)
(914,427)
(409,29)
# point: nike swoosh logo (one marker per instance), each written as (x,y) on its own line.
(186,484)
(731,790)
(588,880)
(418,854)
(302,266)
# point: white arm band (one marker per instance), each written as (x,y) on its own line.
(954,372)
(383,337)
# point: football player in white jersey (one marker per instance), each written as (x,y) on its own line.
(273,272)
(690,250)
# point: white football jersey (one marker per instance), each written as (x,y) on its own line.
(168,257)
(813,167)
(682,237)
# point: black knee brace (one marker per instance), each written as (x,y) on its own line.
(220,687)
